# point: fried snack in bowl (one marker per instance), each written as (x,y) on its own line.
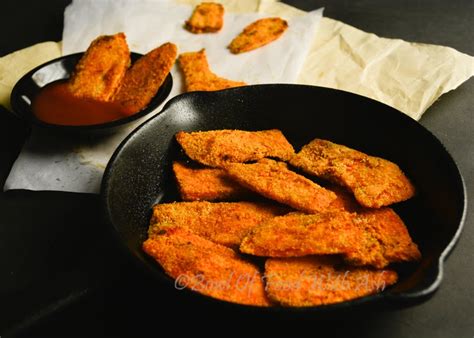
(258,34)
(143,80)
(198,76)
(206,184)
(141,175)
(207,17)
(375,182)
(96,92)
(275,181)
(333,249)
(206,267)
(217,148)
(101,69)
(321,280)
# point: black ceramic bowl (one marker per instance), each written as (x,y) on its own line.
(31,83)
(139,173)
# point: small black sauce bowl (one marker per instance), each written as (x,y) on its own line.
(61,68)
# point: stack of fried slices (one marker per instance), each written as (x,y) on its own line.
(251,229)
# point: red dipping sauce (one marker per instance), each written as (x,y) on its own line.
(56,105)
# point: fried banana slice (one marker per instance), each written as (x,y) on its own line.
(198,76)
(223,223)
(206,184)
(258,34)
(100,71)
(275,181)
(207,17)
(319,280)
(297,234)
(374,181)
(143,80)
(205,267)
(219,147)
(386,240)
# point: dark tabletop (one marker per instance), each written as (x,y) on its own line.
(62,275)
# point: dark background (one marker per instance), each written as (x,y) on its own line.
(62,275)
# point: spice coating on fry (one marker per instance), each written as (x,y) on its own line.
(224,223)
(217,148)
(143,80)
(374,181)
(205,267)
(207,17)
(275,181)
(334,249)
(258,34)
(206,184)
(386,240)
(198,76)
(344,199)
(100,70)
(319,280)
(297,234)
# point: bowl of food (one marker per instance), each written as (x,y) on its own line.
(99,90)
(286,198)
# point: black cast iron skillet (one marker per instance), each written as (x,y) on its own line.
(139,173)
(61,68)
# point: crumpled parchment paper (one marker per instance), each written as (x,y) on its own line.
(13,66)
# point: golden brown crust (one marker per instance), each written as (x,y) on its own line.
(386,240)
(344,199)
(372,237)
(258,34)
(324,256)
(223,223)
(374,181)
(206,184)
(198,76)
(297,234)
(275,181)
(217,148)
(319,280)
(143,80)
(207,17)
(205,267)
(100,71)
